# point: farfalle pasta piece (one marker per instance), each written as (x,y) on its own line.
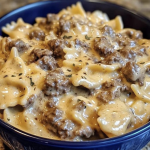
(39,19)
(98,16)
(114,118)
(17,29)
(93,75)
(71,53)
(142,92)
(146,65)
(20,80)
(78,60)
(141,111)
(74,10)
(116,24)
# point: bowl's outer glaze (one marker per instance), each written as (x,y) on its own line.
(18,140)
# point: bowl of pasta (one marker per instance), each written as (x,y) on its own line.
(74,75)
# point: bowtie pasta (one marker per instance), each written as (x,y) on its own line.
(74,75)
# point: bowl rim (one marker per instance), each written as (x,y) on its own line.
(59,143)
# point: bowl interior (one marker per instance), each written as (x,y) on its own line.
(41,9)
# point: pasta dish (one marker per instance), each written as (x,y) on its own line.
(75,76)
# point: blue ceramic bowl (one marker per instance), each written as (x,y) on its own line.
(19,140)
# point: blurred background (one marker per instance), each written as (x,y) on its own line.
(142,6)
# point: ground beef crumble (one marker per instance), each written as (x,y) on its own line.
(103,46)
(57,46)
(47,63)
(133,72)
(19,44)
(39,53)
(108,31)
(111,90)
(51,18)
(82,44)
(56,83)
(64,26)
(48,24)
(43,58)
(64,128)
(37,34)
(53,120)
(129,50)
(66,23)
(133,34)
(115,57)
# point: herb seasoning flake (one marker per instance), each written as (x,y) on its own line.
(31,82)
(20,74)
(67,37)
(70,75)
(5,76)
(87,38)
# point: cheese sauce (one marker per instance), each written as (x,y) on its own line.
(74,76)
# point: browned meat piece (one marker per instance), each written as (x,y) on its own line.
(54,122)
(108,31)
(133,34)
(85,132)
(51,103)
(124,55)
(19,44)
(51,18)
(140,50)
(64,25)
(123,40)
(37,34)
(47,63)
(134,72)
(56,83)
(57,46)
(49,23)
(128,53)
(103,46)
(82,44)
(80,105)
(64,128)
(114,58)
(111,90)
(114,83)
(39,53)
(53,114)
